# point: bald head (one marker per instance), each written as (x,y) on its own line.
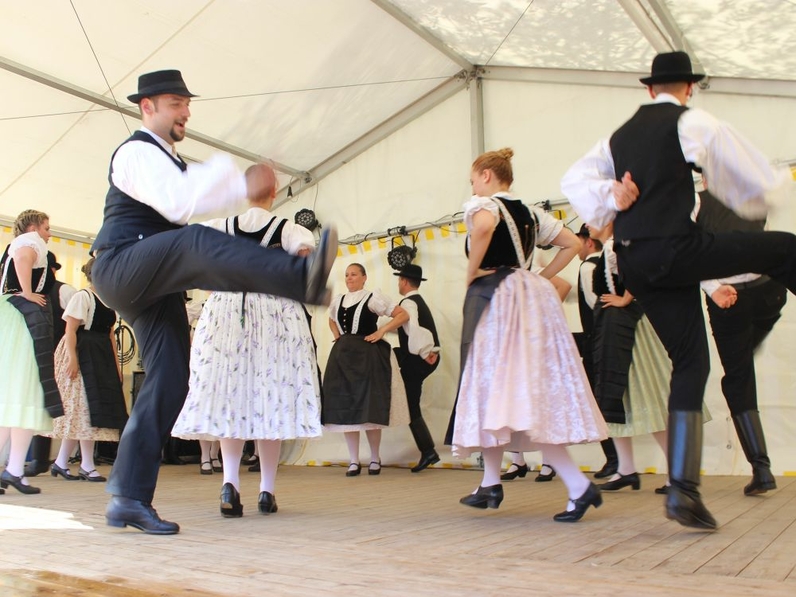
(261,184)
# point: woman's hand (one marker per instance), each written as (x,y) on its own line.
(614,300)
(479,273)
(72,368)
(39,299)
(431,358)
(374,337)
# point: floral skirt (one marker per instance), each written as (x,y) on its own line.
(523,382)
(254,373)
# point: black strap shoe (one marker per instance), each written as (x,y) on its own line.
(484,497)
(7,479)
(590,497)
(230,502)
(514,471)
(630,480)
(124,511)
(266,503)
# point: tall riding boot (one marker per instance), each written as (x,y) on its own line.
(425,443)
(683,502)
(39,456)
(753,442)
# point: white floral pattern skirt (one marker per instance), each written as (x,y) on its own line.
(254,373)
(523,382)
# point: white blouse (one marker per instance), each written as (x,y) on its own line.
(549,227)
(82,307)
(294,237)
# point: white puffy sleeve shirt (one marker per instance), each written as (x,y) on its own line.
(549,227)
(215,188)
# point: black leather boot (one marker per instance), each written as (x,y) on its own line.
(425,443)
(39,456)
(753,442)
(683,502)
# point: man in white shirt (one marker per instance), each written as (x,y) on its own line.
(418,357)
(147,256)
(641,178)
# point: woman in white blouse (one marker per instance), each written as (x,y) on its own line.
(28,394)
(362,386)
(89,378)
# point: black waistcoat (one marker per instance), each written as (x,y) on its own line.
(54,301)
(126,220)
(424,319)
(600,283)
(586,312)
(368,320)
(648,147)
(501,252)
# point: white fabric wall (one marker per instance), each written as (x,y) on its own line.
(421,173)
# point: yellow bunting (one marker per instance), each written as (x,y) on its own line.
(367,245)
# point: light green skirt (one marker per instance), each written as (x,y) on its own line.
(21,394)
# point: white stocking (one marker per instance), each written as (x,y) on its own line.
(65,451)
(558,457)
(352,441)
(87,455)
(20,442)
(269,462)
(233,450)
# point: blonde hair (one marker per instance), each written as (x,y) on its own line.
(28,218)
(86,269)
(499,162)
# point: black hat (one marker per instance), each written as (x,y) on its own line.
(583,232)
(158,83)
(671,67)
(412,272)
(52,261)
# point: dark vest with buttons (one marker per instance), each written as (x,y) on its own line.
(126,220)
(586,312)
(648,147)
(368,321)
(424,319)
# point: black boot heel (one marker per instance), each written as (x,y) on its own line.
(484,497)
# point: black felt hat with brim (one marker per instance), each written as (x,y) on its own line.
(672,67)
(159,83)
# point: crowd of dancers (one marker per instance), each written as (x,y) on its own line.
(251,372)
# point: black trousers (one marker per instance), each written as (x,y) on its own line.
(144,282)
(414,371)
(664,274)
(738,331)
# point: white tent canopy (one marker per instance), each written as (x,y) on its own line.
(372,110)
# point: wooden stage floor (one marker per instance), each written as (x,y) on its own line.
(398,534)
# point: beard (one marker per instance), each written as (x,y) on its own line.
(176,134)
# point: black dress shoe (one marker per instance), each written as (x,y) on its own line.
(266,503)
(484,497)
(630,480)
(230,502)
(56,470)
(123,511)
(255,468)
(590,497)
(319,266)
(609,469)
(86,476)
(217,468)
(664,490)
(520,470)
(540,478)
(426,460)
(354,469)
(374,468)
(7,479)
(206,468)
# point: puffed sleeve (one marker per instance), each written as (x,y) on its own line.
(295,238)
(334,306)
(381,304)
(78,307)
(35,242)
(549,227)
(477,203)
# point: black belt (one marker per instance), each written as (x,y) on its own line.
(751,284)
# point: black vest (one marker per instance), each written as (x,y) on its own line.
(54,301)
(501,252)
(12,284)
(586,312)
(648,147)
(126,220)
(424,319)
(600,283)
